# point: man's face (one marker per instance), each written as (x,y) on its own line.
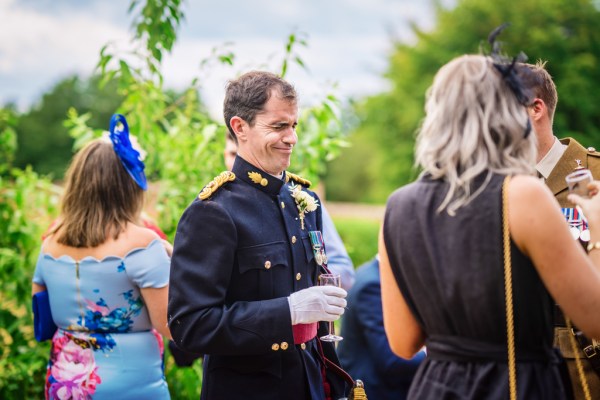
(229,153)
(268,143)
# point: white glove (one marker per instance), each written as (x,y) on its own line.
(317,303)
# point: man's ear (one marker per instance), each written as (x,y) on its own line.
(538,109)
(238,126)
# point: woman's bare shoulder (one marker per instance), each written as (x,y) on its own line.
(138,236)
(133,237)
(527,192)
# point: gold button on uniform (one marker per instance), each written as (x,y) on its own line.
(264,182)
(294,239)
(267,264)
(298,276)
(284,346)
(275,347)
(303,346)
(282,204)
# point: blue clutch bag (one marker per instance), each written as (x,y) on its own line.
(43,324)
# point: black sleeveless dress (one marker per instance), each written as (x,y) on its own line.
(450,270)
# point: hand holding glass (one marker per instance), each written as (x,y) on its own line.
(578,182)
(330,280)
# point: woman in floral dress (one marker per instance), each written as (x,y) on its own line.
(107,280)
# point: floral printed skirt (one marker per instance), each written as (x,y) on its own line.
(106,366)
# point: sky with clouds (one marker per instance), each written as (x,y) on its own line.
(44,41)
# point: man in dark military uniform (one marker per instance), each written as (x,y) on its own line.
(246,258)
(557,159)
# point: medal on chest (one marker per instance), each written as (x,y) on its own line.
(577,224)
(318,247)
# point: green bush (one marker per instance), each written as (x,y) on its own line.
(27,205)
(184,383)
(359,237)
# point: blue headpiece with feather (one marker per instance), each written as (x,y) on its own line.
(130,157)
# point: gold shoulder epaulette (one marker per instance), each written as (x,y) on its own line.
(215,184)
(296,178)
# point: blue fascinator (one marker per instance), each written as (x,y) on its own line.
(130,157)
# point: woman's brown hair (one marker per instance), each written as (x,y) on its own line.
(100,197)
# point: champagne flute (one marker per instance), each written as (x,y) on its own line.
(330,280)
(578,182)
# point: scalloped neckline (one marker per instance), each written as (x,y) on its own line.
(66,257)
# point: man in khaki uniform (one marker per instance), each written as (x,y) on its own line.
(556,159)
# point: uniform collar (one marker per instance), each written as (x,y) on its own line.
(256,177)
(547,164)
(566,164)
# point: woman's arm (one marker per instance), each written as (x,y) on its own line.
(403,331)
(156,301)
(36,288)
(538,228)
(155,298)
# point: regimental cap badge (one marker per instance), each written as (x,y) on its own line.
(579,166)
(215,184)
(258,178)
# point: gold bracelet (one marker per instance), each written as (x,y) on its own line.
(592,246)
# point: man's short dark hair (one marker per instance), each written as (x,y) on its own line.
(247,95)
(544,87)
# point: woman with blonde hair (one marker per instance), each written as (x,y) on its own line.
(442,253)
(106,279)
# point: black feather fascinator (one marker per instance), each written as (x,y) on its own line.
(517,76)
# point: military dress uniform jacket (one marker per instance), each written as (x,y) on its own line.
(238,254)
(590,159)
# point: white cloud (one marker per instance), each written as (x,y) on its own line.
(349,42)
(37,48)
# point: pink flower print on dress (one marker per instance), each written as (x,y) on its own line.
(57,346)
(103,310)
(73,373)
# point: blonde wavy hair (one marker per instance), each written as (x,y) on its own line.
(473,124)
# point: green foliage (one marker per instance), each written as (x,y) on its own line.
(319,139)
(8,139)
(294,39)
(27,203)
(184,383)
(359,237)
(562,32)
(44,143)
(156,25)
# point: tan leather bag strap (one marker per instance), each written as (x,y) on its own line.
(510,321)
(575,348)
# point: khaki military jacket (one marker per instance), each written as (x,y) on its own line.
(589,158)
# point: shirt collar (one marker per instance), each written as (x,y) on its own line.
(547,164)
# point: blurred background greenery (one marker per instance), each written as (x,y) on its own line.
(360,151)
